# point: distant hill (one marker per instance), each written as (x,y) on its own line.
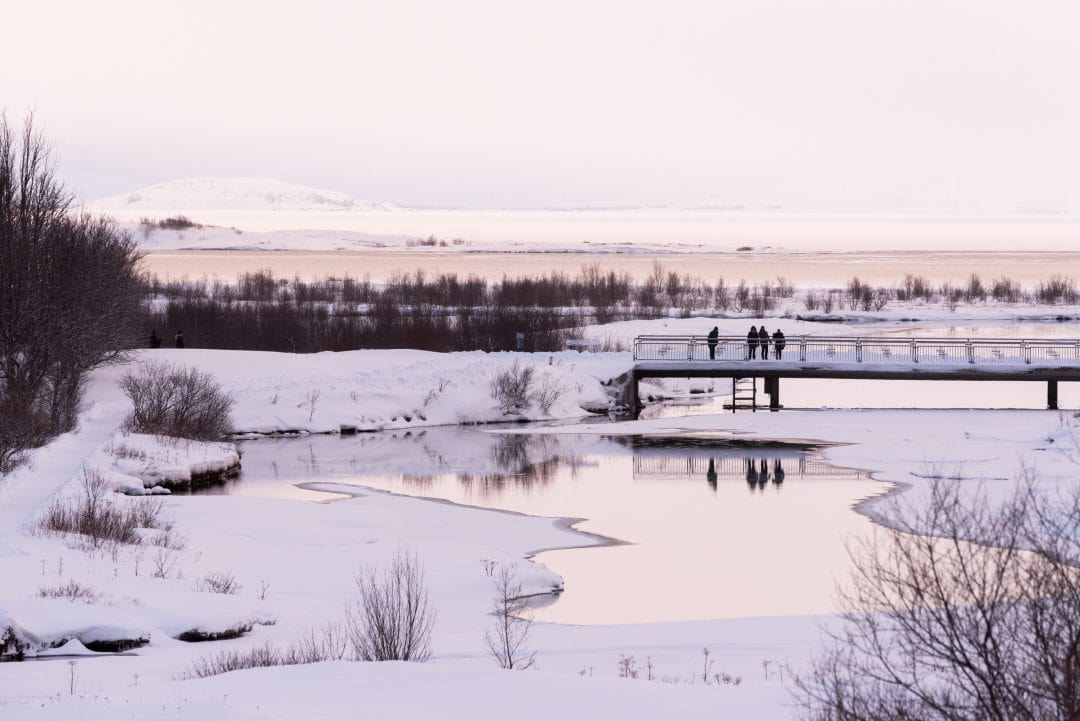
(234,194)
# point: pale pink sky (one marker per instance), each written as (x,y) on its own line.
(834,105)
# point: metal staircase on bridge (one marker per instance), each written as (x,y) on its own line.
(741,394)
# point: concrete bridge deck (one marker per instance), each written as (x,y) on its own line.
(867,357)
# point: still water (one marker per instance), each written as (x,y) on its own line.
(706,530)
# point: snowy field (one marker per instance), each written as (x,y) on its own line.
(294,560)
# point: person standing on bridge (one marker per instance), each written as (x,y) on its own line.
(751,343)
(713,337)
(778,343)
(763,339)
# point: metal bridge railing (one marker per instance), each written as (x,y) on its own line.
(869,350)
(678,467)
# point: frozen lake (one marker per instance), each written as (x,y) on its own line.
(804,269)
(707,530)
(809,250)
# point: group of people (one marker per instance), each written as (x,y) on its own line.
(155,341)
(756,338)
(759,337)
(757,473)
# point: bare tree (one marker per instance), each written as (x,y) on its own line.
(391,619)
(69,294)
(508,638)
(963,611)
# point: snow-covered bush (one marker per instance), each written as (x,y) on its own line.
(391,618)
(176,401)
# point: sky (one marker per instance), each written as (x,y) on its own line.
(915,106)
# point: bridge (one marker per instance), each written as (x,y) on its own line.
(856,357)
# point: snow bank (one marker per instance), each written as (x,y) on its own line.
(376,390)
(167,462)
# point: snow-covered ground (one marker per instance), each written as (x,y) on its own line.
(249,194)
(295,559)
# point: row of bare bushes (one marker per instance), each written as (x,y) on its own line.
(859,295)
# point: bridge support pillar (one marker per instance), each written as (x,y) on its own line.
(774,393)
(1052,395)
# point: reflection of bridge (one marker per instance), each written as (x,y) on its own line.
(869,357)
(662,467)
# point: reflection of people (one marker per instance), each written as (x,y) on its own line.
(751,473)
(764,476)
(778,472)
(710,475)
(751,343)
(763,341)
(714,335)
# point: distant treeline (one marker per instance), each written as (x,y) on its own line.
(440,313)
(447,312)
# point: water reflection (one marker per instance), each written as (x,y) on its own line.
(688,509)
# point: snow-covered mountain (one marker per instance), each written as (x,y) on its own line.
(234,194)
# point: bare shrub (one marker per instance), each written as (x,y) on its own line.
(975,291)
(175,401)
(391,618)
(72,590)
(164,563)
(610,343)
(830,301)
(1057,289)
(260,656)
(176,222)
(965,611)
(219,582)
(328,643)
(914,287)
(1006,290)
(547,392)
(96,514)
(511,387)
(507,640)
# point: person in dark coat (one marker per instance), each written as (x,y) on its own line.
(751,343)
(714,336)
(155,342)
(710,474)
(179,340)
(778,342)
(763,340)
